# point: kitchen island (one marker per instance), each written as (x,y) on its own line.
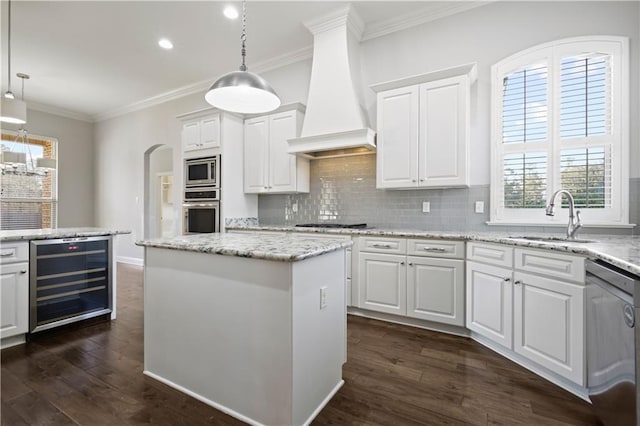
(252,325)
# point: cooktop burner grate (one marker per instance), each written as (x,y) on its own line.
(332,225)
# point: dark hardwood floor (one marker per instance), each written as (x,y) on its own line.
(396,375)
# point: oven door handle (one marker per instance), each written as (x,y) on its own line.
(190,205)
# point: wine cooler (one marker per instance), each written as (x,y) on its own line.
(70,280)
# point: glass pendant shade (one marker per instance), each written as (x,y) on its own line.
(242,92)
(13,111)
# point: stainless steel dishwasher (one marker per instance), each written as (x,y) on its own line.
(612,338)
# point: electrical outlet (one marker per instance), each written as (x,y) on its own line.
(323,297)
(479,207)
(426,207)
(294,207)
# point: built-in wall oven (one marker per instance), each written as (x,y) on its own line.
(201,207)
(70,280)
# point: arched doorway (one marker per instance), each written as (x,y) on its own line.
(159,191)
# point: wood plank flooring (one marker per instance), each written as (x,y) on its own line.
(396,375)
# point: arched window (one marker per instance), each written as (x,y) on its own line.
(560,119)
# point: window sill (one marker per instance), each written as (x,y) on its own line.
(564,225)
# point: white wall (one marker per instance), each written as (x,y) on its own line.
(75,164)
(484,35)
(488,34)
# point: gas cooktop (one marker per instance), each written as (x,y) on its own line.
(332,225)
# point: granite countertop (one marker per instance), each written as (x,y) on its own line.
(622,251)
(54,233)
(285,248)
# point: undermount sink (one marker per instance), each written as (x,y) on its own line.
(554,239)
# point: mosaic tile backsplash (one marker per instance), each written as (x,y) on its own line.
(343,190)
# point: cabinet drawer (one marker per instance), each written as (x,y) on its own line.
(493,254)
(383,245)
(553,264)
(13,252)
(436,248)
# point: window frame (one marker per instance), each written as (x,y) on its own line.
(54,200)
(551,53)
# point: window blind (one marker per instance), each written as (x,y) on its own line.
(586,173)
(585,102)
(524,105)
(525,180)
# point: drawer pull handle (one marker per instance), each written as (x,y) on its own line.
(6,253)
(385,246)
(24,271)
(507,280)
(518,282)
(436,249)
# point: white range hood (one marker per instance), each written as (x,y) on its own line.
(335,124)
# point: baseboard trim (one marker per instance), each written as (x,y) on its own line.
(9,342)
(324,403)
(201,398)
(130,260)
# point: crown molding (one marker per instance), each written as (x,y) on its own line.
(202,86)
(49,109)
(428,14)
(340,16)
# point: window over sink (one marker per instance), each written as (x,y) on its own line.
(560,119)
(28,185)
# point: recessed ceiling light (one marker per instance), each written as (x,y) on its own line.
(230,12)
(165,43)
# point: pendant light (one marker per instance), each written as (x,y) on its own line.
(242,91)
(12,110)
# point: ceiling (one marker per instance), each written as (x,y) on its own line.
(94,59)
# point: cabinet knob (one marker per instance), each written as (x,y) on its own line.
(413,180)
(402,263)
(518,282)
(507,280)
(421,180)
(410,264)
(24,271)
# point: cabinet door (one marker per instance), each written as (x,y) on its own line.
(282,165)
(14,296)
(210,132)
(435,290)
(397,165)
(549,324)
(191,136)
(444,133)
(256,154)
(382,281)
(490,302)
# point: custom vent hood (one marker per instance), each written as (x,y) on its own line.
(335,123)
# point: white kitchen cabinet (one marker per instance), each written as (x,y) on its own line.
(419,285)
(435,289)
(201,133)
(490,302)
(549,324)
(423,130)
(383,282)
(14,289)
(268,166)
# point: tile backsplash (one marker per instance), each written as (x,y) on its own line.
(343,190)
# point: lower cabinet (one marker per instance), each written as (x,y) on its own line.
(428,288)
(537,316)
(14,296)
(489,302)
(549,324)
(383,283)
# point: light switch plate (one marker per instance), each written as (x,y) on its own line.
(479,207)
(426,207)
(323,297)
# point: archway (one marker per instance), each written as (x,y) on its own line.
(159,190)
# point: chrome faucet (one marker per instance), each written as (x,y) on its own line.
(574,215)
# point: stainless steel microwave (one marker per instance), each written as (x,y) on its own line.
(203,171)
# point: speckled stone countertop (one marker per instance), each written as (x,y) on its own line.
(54,233)
(622,251)
(285,248)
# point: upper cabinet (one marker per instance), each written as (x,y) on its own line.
(423,130)
(201,133)
(268,166)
